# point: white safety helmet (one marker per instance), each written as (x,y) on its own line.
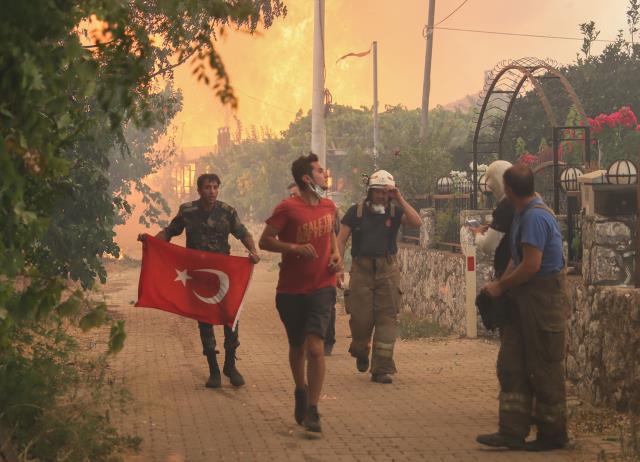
(381,179)
(494,175)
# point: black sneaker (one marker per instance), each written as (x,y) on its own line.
(500,440)
(362,364)
(381,378)
(300,397)
(312,420)
(544,444)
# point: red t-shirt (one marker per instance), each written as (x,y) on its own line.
(300,223)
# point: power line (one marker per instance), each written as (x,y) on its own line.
(557,37)
(453,12)
(265,103)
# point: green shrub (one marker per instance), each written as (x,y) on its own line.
(56,398)
(412,327)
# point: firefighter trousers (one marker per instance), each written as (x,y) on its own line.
(531,368)
(373,301)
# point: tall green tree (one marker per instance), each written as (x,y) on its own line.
(80,99)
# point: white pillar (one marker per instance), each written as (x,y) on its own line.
(318,130)
(467,242)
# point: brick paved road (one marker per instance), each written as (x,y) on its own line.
(444,394)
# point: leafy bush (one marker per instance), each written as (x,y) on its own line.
(411,327)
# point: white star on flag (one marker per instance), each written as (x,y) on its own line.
(183,277)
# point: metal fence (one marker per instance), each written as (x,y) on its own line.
(447,218)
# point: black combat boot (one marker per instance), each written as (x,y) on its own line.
(214,380)
(362,363)
(230,369)
(381,378)
(500,440)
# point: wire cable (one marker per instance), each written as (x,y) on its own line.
(557,37)
(452,13)
(265,103)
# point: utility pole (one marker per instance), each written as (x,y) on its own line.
(375,105)
(426,82)
(318,130)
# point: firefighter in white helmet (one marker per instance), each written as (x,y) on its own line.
(373,297)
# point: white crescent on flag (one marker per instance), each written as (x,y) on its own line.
(222,291)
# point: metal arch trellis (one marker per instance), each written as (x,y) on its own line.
(506,81)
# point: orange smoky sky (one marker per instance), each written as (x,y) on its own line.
(272,70)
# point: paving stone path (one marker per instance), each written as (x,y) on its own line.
(444,394)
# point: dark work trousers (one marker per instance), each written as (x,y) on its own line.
(208,339)
(330,336)
(531,368)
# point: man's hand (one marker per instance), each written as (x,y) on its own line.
(335,263)
(254,256)
(142,237)
(394,193)
(340,280)
(479,229)
(493,289)
(305,250)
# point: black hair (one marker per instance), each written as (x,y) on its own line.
(212,177)
(519,179)
(301,167)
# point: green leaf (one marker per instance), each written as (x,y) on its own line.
(94,318)
(70,307)
(117,337)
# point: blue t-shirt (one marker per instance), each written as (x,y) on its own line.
(537,227)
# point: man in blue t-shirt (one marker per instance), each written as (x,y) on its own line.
(531,356)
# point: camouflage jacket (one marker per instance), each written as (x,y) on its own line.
(207,230)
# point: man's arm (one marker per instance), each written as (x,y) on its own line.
(247,241)
(335,261)
(528,267)
(410,217)
(269,241)
(343,237)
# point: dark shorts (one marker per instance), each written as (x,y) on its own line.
(304,314)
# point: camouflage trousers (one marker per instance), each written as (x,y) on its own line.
(208,338)
(373,301)
(531,367)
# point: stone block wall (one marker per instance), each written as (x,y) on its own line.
(608,250)
(603,356)
(433,285)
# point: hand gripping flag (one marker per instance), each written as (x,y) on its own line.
(206,286)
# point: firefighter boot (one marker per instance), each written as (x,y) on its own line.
(230,369)
(214,380)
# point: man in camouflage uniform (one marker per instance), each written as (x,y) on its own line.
(209,222)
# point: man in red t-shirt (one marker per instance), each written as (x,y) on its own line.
(301,229)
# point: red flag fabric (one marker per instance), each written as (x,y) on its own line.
(206,286)
(356,55)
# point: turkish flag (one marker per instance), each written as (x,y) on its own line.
(206,286)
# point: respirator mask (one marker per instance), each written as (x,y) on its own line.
(317,190)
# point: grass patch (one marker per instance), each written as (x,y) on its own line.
(411,327)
